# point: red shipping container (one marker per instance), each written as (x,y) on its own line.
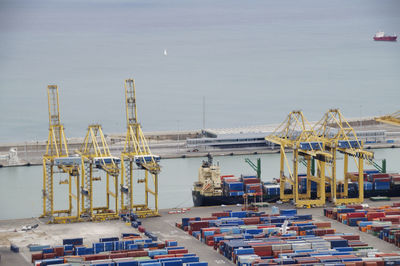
(370,263)
(263,251)
(351,237)
(226,176)
(137,253)
(177,251)
(322,224)
(197,225)
(251,181)
(392,212)
(355,206)
(355,214)
(36,256)
(49,255)
(59,251)
(220,214)
(373,215)
(251,220)
(118,255)
(306,260)
(210,243)
(395,219)
(378,175)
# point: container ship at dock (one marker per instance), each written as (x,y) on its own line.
(212,189)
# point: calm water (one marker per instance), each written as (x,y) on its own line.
(253,61)
(20,187)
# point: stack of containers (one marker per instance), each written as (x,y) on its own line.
(232,186)
(133,249)
(302,184)
(395,179)
(252,185)
(256,238)
(381,182)
(368,187)
(376,183)
(366,174)
(383,221)
(272,190)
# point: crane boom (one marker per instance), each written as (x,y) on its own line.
(57,143)
(392,119)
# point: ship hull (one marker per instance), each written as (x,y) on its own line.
(201,200)
(386,38)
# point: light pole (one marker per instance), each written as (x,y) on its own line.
(177,121)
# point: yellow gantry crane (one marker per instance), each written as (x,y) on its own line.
(96,157)
(392,119)
(57,161)
(137,156)
(338,136)
(296,134)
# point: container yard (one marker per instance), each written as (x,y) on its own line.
(382,221)
(164,228)
(287,237)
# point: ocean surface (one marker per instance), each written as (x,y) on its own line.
(252,61)
(21,187)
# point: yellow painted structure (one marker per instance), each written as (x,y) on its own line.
(136,157)
(340,137)
(96,156)
(297,135)
(392,119)
(321,142)
(56,149)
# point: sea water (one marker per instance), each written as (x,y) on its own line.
(21,187)
(253,62)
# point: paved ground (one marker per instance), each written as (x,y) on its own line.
(51,234)
(164,227)
(9,258)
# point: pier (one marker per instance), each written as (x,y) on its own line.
(176,144)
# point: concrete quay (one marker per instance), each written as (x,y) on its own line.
(173,144)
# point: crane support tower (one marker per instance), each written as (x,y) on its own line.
(339,137)
(296,134)
(57,161)
(392,119)
(95,160)
(137,157)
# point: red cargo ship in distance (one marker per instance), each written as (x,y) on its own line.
(380,36)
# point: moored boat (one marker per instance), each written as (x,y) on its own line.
(212,189)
